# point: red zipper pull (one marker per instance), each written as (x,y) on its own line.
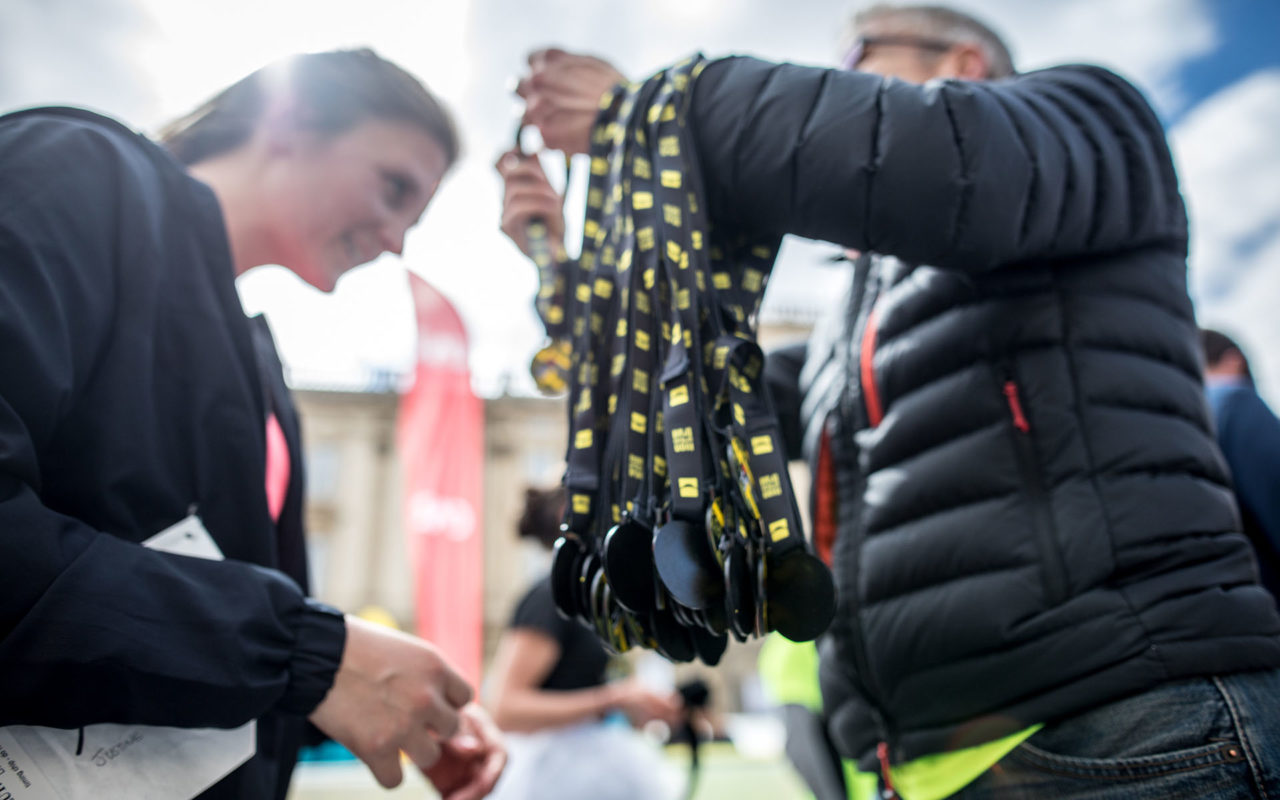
(1015,407)
(882,753)
(867,371)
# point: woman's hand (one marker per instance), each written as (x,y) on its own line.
(472,761)
(392,692)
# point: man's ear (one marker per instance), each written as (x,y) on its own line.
(969,63)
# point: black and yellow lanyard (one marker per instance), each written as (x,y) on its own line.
(681,526)
(551,363)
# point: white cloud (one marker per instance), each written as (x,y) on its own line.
(1228,155)
(348,337)
(74,53)
(198,48)
(1144,40)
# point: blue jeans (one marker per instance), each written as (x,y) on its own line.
(1214,738)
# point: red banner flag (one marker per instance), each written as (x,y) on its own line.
(440,437)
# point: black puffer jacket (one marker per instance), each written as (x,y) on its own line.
(1033,518)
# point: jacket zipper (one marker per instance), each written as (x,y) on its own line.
(1041,519)
(871,417)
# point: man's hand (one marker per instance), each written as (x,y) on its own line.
(471,762)
(562,96)
(527,195)
(392,692)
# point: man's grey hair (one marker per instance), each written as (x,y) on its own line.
(937,22)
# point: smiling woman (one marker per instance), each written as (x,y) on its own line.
(321,162)
(136,397)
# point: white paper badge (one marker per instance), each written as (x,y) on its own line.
(138,762)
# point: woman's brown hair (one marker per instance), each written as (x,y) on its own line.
(329,93)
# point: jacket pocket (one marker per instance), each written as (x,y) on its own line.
(1171,730)
(1178,762)
(1035,492)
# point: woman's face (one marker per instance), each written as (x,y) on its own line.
(339,201)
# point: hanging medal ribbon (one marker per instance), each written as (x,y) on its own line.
(682,527)
(551,363)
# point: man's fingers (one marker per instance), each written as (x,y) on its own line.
(540,57)
(386,769)
(422,748)
(537,201)
(567,91)
(531,204)
(456,690)
(526,176)
(559,133)
(537,108)
(527,168)
(506,163)
(440,719)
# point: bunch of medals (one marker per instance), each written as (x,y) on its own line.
(681,527)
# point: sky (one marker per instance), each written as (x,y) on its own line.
(1210,67)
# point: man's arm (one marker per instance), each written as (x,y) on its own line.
(1058,163)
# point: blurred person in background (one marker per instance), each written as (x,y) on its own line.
(1249,435)
(1043,589)
(548,686)
(135,395)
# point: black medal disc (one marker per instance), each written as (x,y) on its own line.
(714,619)
(673,640)
(600,616)
(802,596)
(739,600)
(621,629)
(636,629)
(587,569)
(709,646)
(564,576)
(681,614)
(628,561)
(686,565)
(762,594)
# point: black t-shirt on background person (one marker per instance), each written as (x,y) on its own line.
(582,659)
